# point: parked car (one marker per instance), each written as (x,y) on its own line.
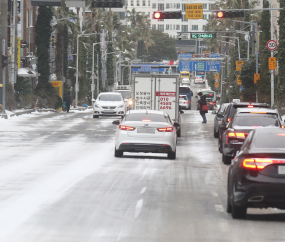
(229,113)
(109,104)
(218,117)
(184,102)
(256,176)
(147,131)
(244,121)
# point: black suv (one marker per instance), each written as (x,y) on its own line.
(229,113)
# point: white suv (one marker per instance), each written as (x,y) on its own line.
(109,104)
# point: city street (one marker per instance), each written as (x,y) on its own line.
(60,182)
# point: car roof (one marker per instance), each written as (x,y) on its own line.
(249,103)
(256,110)
(269,131)
(146,111)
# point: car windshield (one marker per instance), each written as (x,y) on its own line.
(255,120)
(209,96)
(184,89)
(125,94)
(269,141)
(110,97)
(150,117)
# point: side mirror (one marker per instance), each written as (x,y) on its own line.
(116,122)
(176,125)
(93,100)
(181,111)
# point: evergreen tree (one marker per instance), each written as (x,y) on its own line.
(65,50)
(100,64)
(43,31)
(248,92)
(234,88)
(263,85)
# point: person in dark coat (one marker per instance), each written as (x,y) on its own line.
(202,102)
(67,101)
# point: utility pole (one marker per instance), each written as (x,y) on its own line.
(14,44)
(271,71)
(120,78)
(4,17)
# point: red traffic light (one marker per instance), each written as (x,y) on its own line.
(220,14)
(157,15)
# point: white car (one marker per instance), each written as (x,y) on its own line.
(198,80)
(146,131)
(185,81)
(109,104)
(183,102)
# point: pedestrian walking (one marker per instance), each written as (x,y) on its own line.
(202,102)
(67,101)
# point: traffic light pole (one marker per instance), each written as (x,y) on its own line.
(271,71)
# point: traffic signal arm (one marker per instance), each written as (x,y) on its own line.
(167,15)
(107,3)
(230,14)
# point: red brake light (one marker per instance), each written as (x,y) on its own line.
(185,102)
(259,163)
(258,112)
(123,127)
(211,103)
(281,134)
(237,135)
(146,120)
(229,119)
(250,106)
(282,127)
(168,129)
(210,95)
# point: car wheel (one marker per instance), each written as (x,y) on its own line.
(238,212)
(118,153)
(216,134)
(178,132)
(227,159)
(229,206)
(95,116)
(172,155)
(220,145)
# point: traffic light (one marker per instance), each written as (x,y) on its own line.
(4,63)
(167,15)
(107,3)
(230,14)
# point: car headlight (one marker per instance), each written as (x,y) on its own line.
(120,106)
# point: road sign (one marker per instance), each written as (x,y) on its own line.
(272,63)
(217,77)
(271,45)
(194,11)
(202,36)
(23,43)
(239,65)
(184,56)
(199,66)
(238,80)
(214,55)
(148,68)
(256,77)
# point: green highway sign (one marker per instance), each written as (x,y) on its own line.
(203,35)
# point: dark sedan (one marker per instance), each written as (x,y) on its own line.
(256,177)
(244,121)
(218,117)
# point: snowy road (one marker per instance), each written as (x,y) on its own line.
(60,182)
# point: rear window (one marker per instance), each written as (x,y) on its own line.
(184,74)
(125,94)
(256,120)
(234,108)
(184,90)
(152,117)
(269,141)
(182,98)
(200,73)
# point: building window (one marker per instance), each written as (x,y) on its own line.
(160,27)
(143,3)
(194,27)
(154,26)
(170,27)
(138,2)
(204,27)
(205,5)
(204,16)
(183,6)
(184,18)
(167,27)
(178,6)
(177,27)
(184,28)
(132,2)
(167,6)
(121,15)
(161,20)
(211,6)
(154,5)
(161,6)
(148,2)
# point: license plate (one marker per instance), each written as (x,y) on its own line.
(109,111)
(146,131)
(281,170)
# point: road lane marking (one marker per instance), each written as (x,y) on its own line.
(138,208)
(143,190)
(219,208)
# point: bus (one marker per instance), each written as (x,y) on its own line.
(185,90)
(184,74)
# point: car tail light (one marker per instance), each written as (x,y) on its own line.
(123,127)
(211,103)
(237,135)
(259,163)
(250,106)
(281,134)
(282,127)
(146,120)
(229,119)
(259,112)
(168,129)
(185,102)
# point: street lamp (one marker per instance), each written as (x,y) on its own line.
(237,38)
